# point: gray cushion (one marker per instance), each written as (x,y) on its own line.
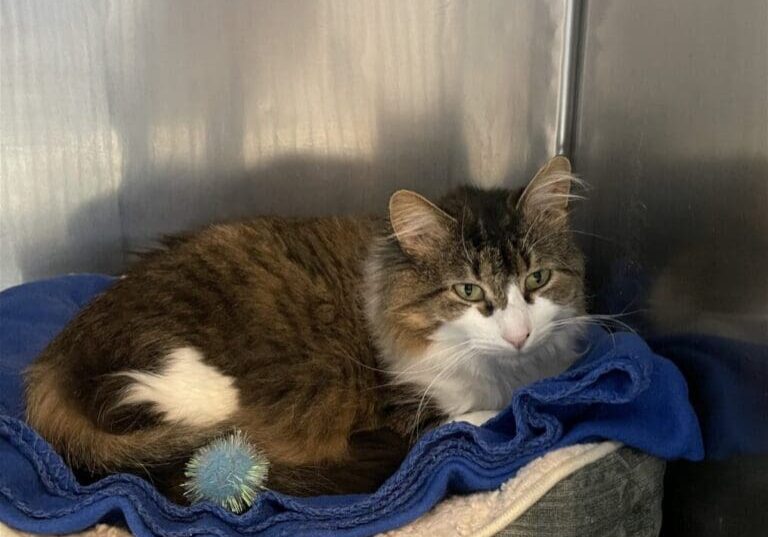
(619,495)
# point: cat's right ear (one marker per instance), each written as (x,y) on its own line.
(420,226)
(549,190)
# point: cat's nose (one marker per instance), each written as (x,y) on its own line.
(516,337)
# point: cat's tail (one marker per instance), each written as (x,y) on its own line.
(86,446)
(372,458)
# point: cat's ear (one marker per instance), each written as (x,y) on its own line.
(420,226)
(549,190)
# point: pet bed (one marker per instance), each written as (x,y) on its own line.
(585,490)
(620,390)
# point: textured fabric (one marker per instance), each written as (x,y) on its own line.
(100,530)
(619,390)
(595,473)
(618,496)
(484,514)
(728,380)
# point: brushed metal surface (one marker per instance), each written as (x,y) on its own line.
(569,76)
(123,120)
(672,134)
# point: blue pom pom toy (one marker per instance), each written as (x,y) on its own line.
(229,472)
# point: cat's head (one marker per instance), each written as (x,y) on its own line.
(482,273)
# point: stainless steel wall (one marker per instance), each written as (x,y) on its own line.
(126,119)
(672,134)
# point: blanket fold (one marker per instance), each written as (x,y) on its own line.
(620,390)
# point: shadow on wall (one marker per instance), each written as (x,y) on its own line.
(685,244)
(686,262)
(224,110)
(179,198)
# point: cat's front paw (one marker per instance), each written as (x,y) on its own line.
(475,418)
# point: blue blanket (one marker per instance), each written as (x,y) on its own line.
(619,390)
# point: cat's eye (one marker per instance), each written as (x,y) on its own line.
(469,291)
(537,279)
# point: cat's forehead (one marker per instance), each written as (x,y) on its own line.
(484,215)
(487,209)
(489,229)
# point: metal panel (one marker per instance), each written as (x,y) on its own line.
(123,120)
(673,136)
(58,150)
(672,133)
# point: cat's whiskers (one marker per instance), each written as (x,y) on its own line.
(515,361)
(555,222)
(594,235)
(552,198)
(463,239)
(351,358)
(595,319)
(456,360)
(554,179)
(603,321)
(398,377)
(436,357)
(411,369)
(531,227)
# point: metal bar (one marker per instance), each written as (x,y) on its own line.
(566,102)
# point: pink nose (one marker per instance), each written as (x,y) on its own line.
(517,339)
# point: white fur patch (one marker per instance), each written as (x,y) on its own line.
(470,366)
(187,390)
(478,417)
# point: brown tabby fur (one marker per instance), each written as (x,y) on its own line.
(279,305)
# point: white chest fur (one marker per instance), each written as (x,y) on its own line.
(487,381)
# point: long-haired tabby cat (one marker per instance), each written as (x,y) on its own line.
(331,342)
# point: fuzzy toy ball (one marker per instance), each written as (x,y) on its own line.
(229,472)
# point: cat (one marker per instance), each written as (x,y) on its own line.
(331,342)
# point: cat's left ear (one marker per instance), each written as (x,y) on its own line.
(421,227)
(549,190)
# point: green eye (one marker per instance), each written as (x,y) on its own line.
(469,291)
(537,279)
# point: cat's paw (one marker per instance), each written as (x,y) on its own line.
(475,418)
